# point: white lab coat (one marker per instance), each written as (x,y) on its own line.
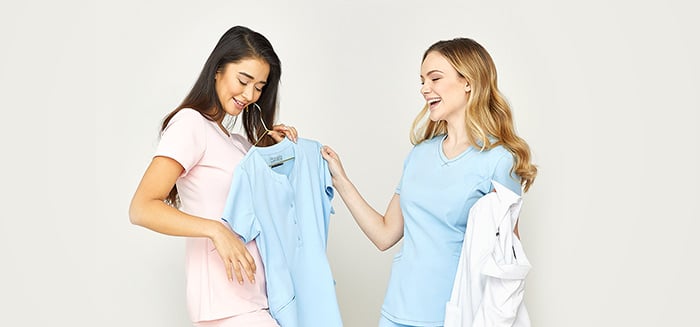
(490,281)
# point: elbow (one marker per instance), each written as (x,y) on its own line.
(387,240)
(135,216)
(384,245)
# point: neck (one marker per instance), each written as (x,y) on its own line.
(224,129)
(219,121)
(456,141)
(456,135)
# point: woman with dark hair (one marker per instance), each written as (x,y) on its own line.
(184,189)
(464,140)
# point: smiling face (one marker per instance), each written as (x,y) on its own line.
(444,90)
(239,84)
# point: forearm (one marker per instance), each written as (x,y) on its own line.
(162,218)
(382,232)
(154,214)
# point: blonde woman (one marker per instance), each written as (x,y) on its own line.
(464,138)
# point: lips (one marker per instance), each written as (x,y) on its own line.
(239,104)
(434,102)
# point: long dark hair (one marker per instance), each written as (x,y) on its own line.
(238,43)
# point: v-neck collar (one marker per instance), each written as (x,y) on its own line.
(444,158)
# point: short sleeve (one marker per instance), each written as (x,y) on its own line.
(239,212)
(398,187)
(403,172)
(502,173)
(183,139)
(329,191)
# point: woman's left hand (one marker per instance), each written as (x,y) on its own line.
(279,132)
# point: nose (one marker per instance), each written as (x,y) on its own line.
(248,93)
(424,89)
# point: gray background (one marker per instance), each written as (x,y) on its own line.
(605,92)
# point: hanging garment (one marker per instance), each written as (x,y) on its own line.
(490,282)
(281,196)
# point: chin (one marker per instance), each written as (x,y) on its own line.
(234,112)
(434,117)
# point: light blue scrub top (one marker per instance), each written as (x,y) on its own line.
(436,195)
(287,209)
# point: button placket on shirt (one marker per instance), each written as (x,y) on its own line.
(286,184)
(292,210)
(293,215)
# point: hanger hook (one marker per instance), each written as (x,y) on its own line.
(267,130)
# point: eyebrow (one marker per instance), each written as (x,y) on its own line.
(251,77)
(432,71)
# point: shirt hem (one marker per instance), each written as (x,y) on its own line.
(220,316)
(411,322)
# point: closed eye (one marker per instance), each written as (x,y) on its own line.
(259,89)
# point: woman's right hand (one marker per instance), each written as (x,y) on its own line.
(234,254)
(147,209)
(383,230)
(334,165)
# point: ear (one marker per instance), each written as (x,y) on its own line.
(467,87)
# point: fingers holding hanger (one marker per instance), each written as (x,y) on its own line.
(281,131)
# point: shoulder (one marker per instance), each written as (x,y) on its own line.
(187,116)
(311,150)
(501,164)
(428,145)
(431,142)
(423,150)
(497,153)
(310,145)
(496,160)
(188,113)
(308,142)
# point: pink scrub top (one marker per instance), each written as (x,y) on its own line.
(209,157)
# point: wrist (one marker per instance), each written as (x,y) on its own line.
(221,228)
(214,229)
(342,184)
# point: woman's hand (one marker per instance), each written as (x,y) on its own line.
(234,254)
(383,230)
(279,132)
(334,165)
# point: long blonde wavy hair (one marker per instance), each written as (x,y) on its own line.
(488,115)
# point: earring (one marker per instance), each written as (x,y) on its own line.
(467,88)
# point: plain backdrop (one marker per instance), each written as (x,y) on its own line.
(605,92)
